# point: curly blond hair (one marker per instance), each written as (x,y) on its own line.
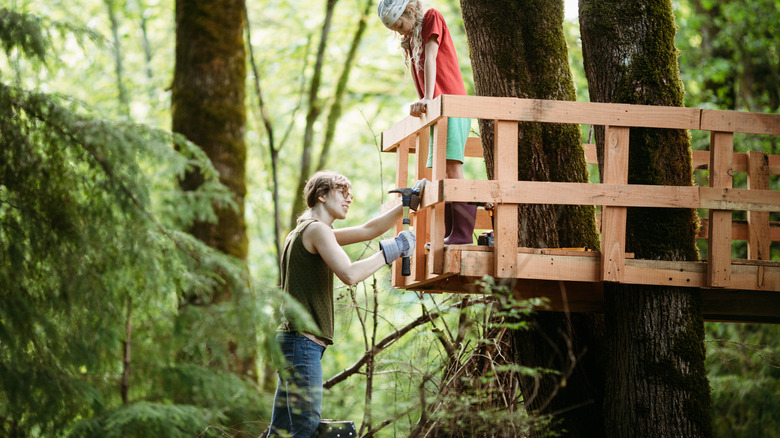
(414,51)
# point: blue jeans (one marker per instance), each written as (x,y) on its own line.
(298,399)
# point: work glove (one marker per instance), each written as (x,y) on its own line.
(417,192)
(401,245)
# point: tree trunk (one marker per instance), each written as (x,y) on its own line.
(657,384)
(518,49)
(208,108)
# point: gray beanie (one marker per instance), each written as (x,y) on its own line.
(391,10)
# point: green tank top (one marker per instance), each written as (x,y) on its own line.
(309,280)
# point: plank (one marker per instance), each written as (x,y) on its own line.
(505,216)
(700,160)
(739,199)
(758,221)
(739,230)
(401,180)
(719,241)
(739,121)
(565,193)
(439,172)
(392,136)
(613,219)
(560,111)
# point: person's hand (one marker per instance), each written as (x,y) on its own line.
(401,245)
(419,108)
(417,192)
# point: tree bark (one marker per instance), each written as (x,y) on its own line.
(657,384)
(518,49)
(208,107)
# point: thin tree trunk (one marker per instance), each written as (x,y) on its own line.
(124,102)
(657,383)
(338,98)
(272,148)
(126,345)
(315,109)
(518,49)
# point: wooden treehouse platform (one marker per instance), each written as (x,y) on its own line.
(732,290)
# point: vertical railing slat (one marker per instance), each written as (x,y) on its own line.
(439,144)
(719,241)
(505,215)
(613,219)
(758,221)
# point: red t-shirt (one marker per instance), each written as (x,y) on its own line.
(448,77)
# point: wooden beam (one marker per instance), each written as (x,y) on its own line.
(700,160)
(422,222)
(739,230)
(613,219)
(719,247)
(401,180)
(505,216)
(758,221)
(439,144)
(739,199)
(739,121)
(561,111)
(564,193)
(392,136)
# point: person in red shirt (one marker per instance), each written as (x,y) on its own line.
(428,49)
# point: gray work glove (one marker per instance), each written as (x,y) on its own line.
(418,188)
(401,245)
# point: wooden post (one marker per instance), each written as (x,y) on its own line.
(505,216)
(422,217)
(439,144)
(719,241)
(758,221)
(613,219)
(401,180)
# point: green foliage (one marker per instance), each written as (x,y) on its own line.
(95,266)
(144,419)
(743,362)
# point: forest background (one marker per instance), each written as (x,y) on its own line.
(110,325)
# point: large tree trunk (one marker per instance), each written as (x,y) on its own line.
(518,49)
(208,108)
(657,384)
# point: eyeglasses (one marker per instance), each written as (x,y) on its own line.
(345,192)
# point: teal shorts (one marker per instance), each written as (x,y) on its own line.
(457,131)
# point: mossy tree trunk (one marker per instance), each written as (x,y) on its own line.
(208,108)
(518,49)
(657,383)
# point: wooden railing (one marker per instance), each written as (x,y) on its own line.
(614,195)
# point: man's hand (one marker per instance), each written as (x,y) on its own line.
(419,108)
